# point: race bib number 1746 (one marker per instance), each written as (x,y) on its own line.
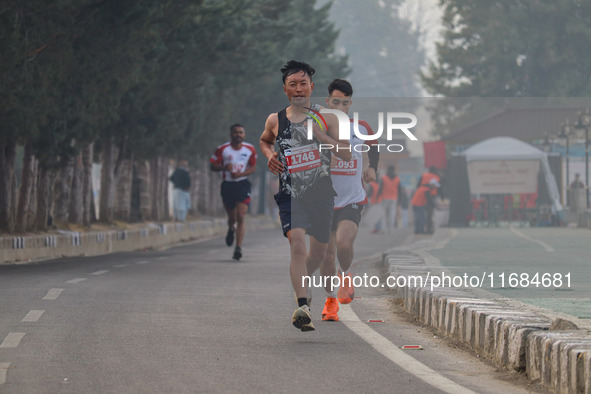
(302,158)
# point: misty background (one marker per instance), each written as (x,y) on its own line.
(132,87)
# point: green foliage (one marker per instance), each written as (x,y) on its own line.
(386,49)
(513,48)
(162,77)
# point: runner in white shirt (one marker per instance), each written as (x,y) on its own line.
(236,159)
(347,178)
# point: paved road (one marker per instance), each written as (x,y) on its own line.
(560,255)
(189,319)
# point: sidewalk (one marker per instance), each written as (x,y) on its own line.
(24,249)
(543,343)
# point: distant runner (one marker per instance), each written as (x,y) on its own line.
(237,159)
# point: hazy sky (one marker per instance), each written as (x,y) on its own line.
(428,14)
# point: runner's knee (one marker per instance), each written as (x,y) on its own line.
(298,248)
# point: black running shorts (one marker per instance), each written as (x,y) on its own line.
(235,192)
(313,215)
(350,212)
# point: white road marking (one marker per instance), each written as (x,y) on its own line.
(32,316)
(397,356)
(12,339)
(99,272)
(77,280)
(121,265)
(52,294)
(3,369)
(143,262)
(547,247)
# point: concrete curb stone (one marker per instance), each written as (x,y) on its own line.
(510,338)
(144,236)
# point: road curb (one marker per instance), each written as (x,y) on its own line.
(509,337)
(19,250)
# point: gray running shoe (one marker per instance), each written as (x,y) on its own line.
(302,319)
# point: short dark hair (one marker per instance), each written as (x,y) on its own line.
(341,85)
(234,126)
(293,66)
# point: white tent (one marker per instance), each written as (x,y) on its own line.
(499,155)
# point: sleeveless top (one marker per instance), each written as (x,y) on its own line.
(305,166)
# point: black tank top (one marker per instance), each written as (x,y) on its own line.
(306,167)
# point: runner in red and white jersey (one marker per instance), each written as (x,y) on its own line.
(236,160)
(347,178)
(240,159)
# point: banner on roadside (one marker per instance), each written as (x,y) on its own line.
(503,176)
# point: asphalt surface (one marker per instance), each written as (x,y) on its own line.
(190,319)
(548,266)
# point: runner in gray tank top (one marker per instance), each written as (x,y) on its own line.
(306,196)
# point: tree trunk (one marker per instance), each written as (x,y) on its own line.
(202,191)
(7,157)
(108,180)
(87,206)
(76,207)
(122,201)
(194,191)
(44,183)
(156,186)
(24,193)
(164,185)
(62,191)
(212,189)
(32,210)
(159,188)
(143,172)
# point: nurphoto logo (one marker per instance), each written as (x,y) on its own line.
(402,121)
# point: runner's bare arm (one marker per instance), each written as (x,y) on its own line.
(341,149)
(249,170)
(267,144)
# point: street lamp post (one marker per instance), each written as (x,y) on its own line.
(584,122)
(565,131)
(546,145)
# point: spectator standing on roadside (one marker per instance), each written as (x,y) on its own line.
(181,198)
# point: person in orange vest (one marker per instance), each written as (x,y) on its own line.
(388,193)
(424,181)
(420,200)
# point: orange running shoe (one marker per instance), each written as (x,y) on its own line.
(331,307)
(346,292)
